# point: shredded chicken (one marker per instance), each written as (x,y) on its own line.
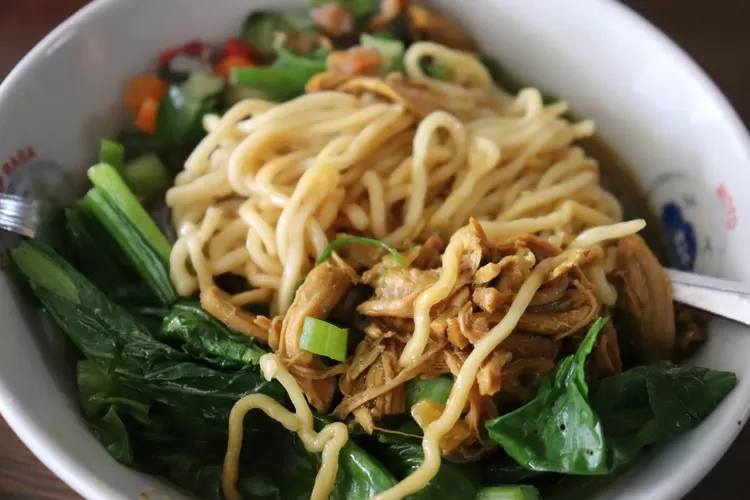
(323,288)
(489,377)
(574,312)
(430,253)
(389,11)
(396,289)
(219,305)
(646,296)
(380,386)
(355,61)
(607,352)
(333,18)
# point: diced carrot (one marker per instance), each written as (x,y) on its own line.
(239,47)
(143,87)
(224,67)
(146,118)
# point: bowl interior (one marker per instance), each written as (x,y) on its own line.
(649,101)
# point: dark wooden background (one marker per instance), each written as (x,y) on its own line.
(716,33)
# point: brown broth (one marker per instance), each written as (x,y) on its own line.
(618,178)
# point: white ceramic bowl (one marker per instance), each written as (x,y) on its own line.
(650,101)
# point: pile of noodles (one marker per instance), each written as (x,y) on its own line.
(397,160)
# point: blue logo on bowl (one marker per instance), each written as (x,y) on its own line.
(682,242)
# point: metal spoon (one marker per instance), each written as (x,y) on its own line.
(725,298)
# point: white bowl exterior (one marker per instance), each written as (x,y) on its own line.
(649,101)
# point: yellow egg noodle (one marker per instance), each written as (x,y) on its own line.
(271,185)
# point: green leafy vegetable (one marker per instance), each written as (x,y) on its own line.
(204,337)
(323,338)
(260,28)
(390,49)
(109,181)
(403,455)
(358,240)
(286,58)
(437,389)
(654,403)
(152,267)
(112,153)
(358,8)
(560,431)
(179,119)
(557,431)
(123,348)
(279,84)
(508,493)
(147,176)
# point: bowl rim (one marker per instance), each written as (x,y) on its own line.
(57,459)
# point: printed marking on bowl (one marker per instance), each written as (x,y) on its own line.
(25,174)
(728,203)
(688,219)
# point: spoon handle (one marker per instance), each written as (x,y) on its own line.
(728,299)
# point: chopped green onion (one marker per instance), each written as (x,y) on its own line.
(514,492)
(358,240)
(325,339)
(391,49)
(113,153)
(437,389)
(285,58)
(146,175)
(437,71)
(106,178)
(281,84)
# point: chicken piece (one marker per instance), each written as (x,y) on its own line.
(490,299)
(389,11)
(430,253)
(426,412)
(355,61)
(219,305)
(562,318)
(551,291)
(333,18)
(646,297)
(381,386)
(396,289)
(323,288)
(690,329)
(525,346)
(607,352)
(489,376)
(439,28)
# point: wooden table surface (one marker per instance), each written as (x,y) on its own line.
(715,33)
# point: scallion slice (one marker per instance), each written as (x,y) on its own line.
(358,240)
(325,339)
